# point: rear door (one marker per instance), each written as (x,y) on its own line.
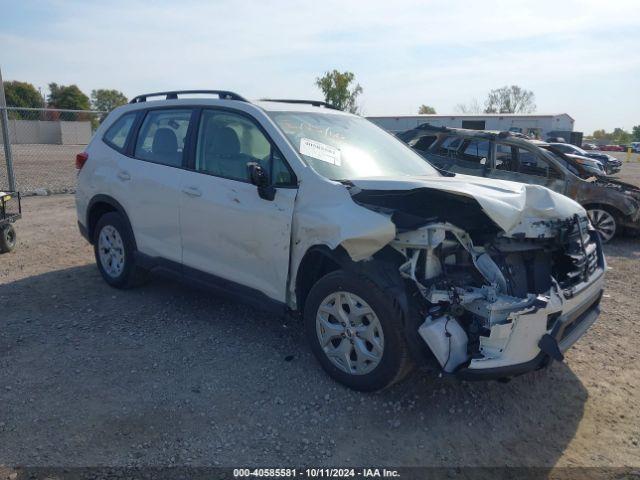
(149,181)
(228,230)
(469,156)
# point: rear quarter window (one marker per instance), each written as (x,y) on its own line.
(117,134)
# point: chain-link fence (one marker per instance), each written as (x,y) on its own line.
(43,147)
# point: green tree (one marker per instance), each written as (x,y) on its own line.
(106,100)
(635,133)
(338,90)
(22,94)
(67,97)
(510,99)
(426,110)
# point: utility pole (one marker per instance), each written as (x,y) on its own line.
(4,119)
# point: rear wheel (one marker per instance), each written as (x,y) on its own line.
(604,222)
(114,250)
(7,238)
(356,332)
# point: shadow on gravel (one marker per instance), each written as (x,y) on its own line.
(166,375)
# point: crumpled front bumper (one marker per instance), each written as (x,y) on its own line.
(526,349)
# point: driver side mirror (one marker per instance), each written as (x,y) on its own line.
(259,177)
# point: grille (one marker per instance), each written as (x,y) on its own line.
(579,258)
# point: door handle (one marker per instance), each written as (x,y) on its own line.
(124,175)
(192,191)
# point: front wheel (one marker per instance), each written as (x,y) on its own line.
(604,222)
(7,238)
(355,332)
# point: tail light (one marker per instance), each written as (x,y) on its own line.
(81,158)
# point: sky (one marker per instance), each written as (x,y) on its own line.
(578,57)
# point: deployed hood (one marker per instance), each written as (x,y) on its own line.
(516,208)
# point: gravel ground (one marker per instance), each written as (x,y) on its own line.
(167,375)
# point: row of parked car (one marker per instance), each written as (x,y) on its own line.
(612,205)
(634,146)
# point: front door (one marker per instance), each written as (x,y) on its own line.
(227,229)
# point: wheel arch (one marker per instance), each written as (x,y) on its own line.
(318,261)
(605,206)
(100,205)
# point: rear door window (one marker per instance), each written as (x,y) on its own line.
(117,134)
(162,136)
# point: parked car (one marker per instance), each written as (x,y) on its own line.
(611,148)
(590,165)
(635,147)
(612,205)
(589,146)
(301,208)
(610,163)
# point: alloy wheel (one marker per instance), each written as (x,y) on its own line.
(603,222)
(111,251)
(350,333)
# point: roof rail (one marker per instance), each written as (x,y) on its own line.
(173,95)
(315,103)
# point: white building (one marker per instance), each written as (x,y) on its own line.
(540,126)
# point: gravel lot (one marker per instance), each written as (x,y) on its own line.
(166,375)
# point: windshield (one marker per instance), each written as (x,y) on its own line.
(342,147)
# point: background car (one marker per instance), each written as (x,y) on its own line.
(612,205)
(611,164)
(611,148)
(590,165)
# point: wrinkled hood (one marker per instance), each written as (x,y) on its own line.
(513,206)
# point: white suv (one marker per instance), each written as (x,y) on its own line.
(307,210)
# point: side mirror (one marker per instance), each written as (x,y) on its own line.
(260,178)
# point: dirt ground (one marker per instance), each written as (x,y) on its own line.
(167,375)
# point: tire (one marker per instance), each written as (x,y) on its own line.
(115,252)
(347,362)
(604,221)
(7,238)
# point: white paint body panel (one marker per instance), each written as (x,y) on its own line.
(512,206)
(230,232)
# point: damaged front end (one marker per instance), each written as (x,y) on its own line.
(493,304)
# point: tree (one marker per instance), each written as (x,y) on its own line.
(67,97)
(600,135)
(635,133)
(22,94)
(472,107)
(513,99)
(106,100)
(426,110)
(335,87)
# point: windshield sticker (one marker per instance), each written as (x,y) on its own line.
(320,151)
